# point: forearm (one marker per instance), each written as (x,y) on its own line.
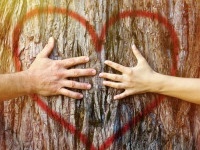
(14,85)
(183,88)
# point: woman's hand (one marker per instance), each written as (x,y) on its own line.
(133,79)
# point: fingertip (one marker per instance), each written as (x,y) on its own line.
(137,53)
(89,86)
(116,97)
(134,47)
(80,96)
(49,47)
(87,58)
(106,62)
(101,75)
(94,71)
(51,40)
(104,82)
(51,43)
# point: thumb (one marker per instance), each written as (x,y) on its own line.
(48,48)
(137,53)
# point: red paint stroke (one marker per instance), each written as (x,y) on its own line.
(98,43)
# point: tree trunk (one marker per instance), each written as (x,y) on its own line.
(145,121)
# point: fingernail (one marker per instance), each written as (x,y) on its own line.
(88,86)
(87,59)
(93,71)
(106,61)
(133,46)
(80,96)
(100,75)
(50,39)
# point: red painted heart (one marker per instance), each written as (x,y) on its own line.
(97,41)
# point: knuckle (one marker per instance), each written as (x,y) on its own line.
(108,83)
(70,95)
(128,79)
(56,65)
(48,46)
(129,71)
(76,95)
(104,75)
(67,93)
(82,85)
(57,90)
(118,67)
(116,78)
(125,94)
(86,72)
(59,63)
(73,84)
(76,73)
(119,86)
(73,61)
(58,75)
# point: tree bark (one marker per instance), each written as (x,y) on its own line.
(172,124)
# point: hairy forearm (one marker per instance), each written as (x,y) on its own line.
(14,85)
(183,88)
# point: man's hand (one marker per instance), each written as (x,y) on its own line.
(133,79)
(49,77)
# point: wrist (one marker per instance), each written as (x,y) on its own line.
(157,83)
(27,82)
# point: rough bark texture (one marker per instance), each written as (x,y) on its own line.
(174,124)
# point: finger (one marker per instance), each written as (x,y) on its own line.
(47,49)
(116,66)
(74,61)
(76,85)
(121,96)
(137,53)
(70,94)
(80,72)
(113,84)
(110,76)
